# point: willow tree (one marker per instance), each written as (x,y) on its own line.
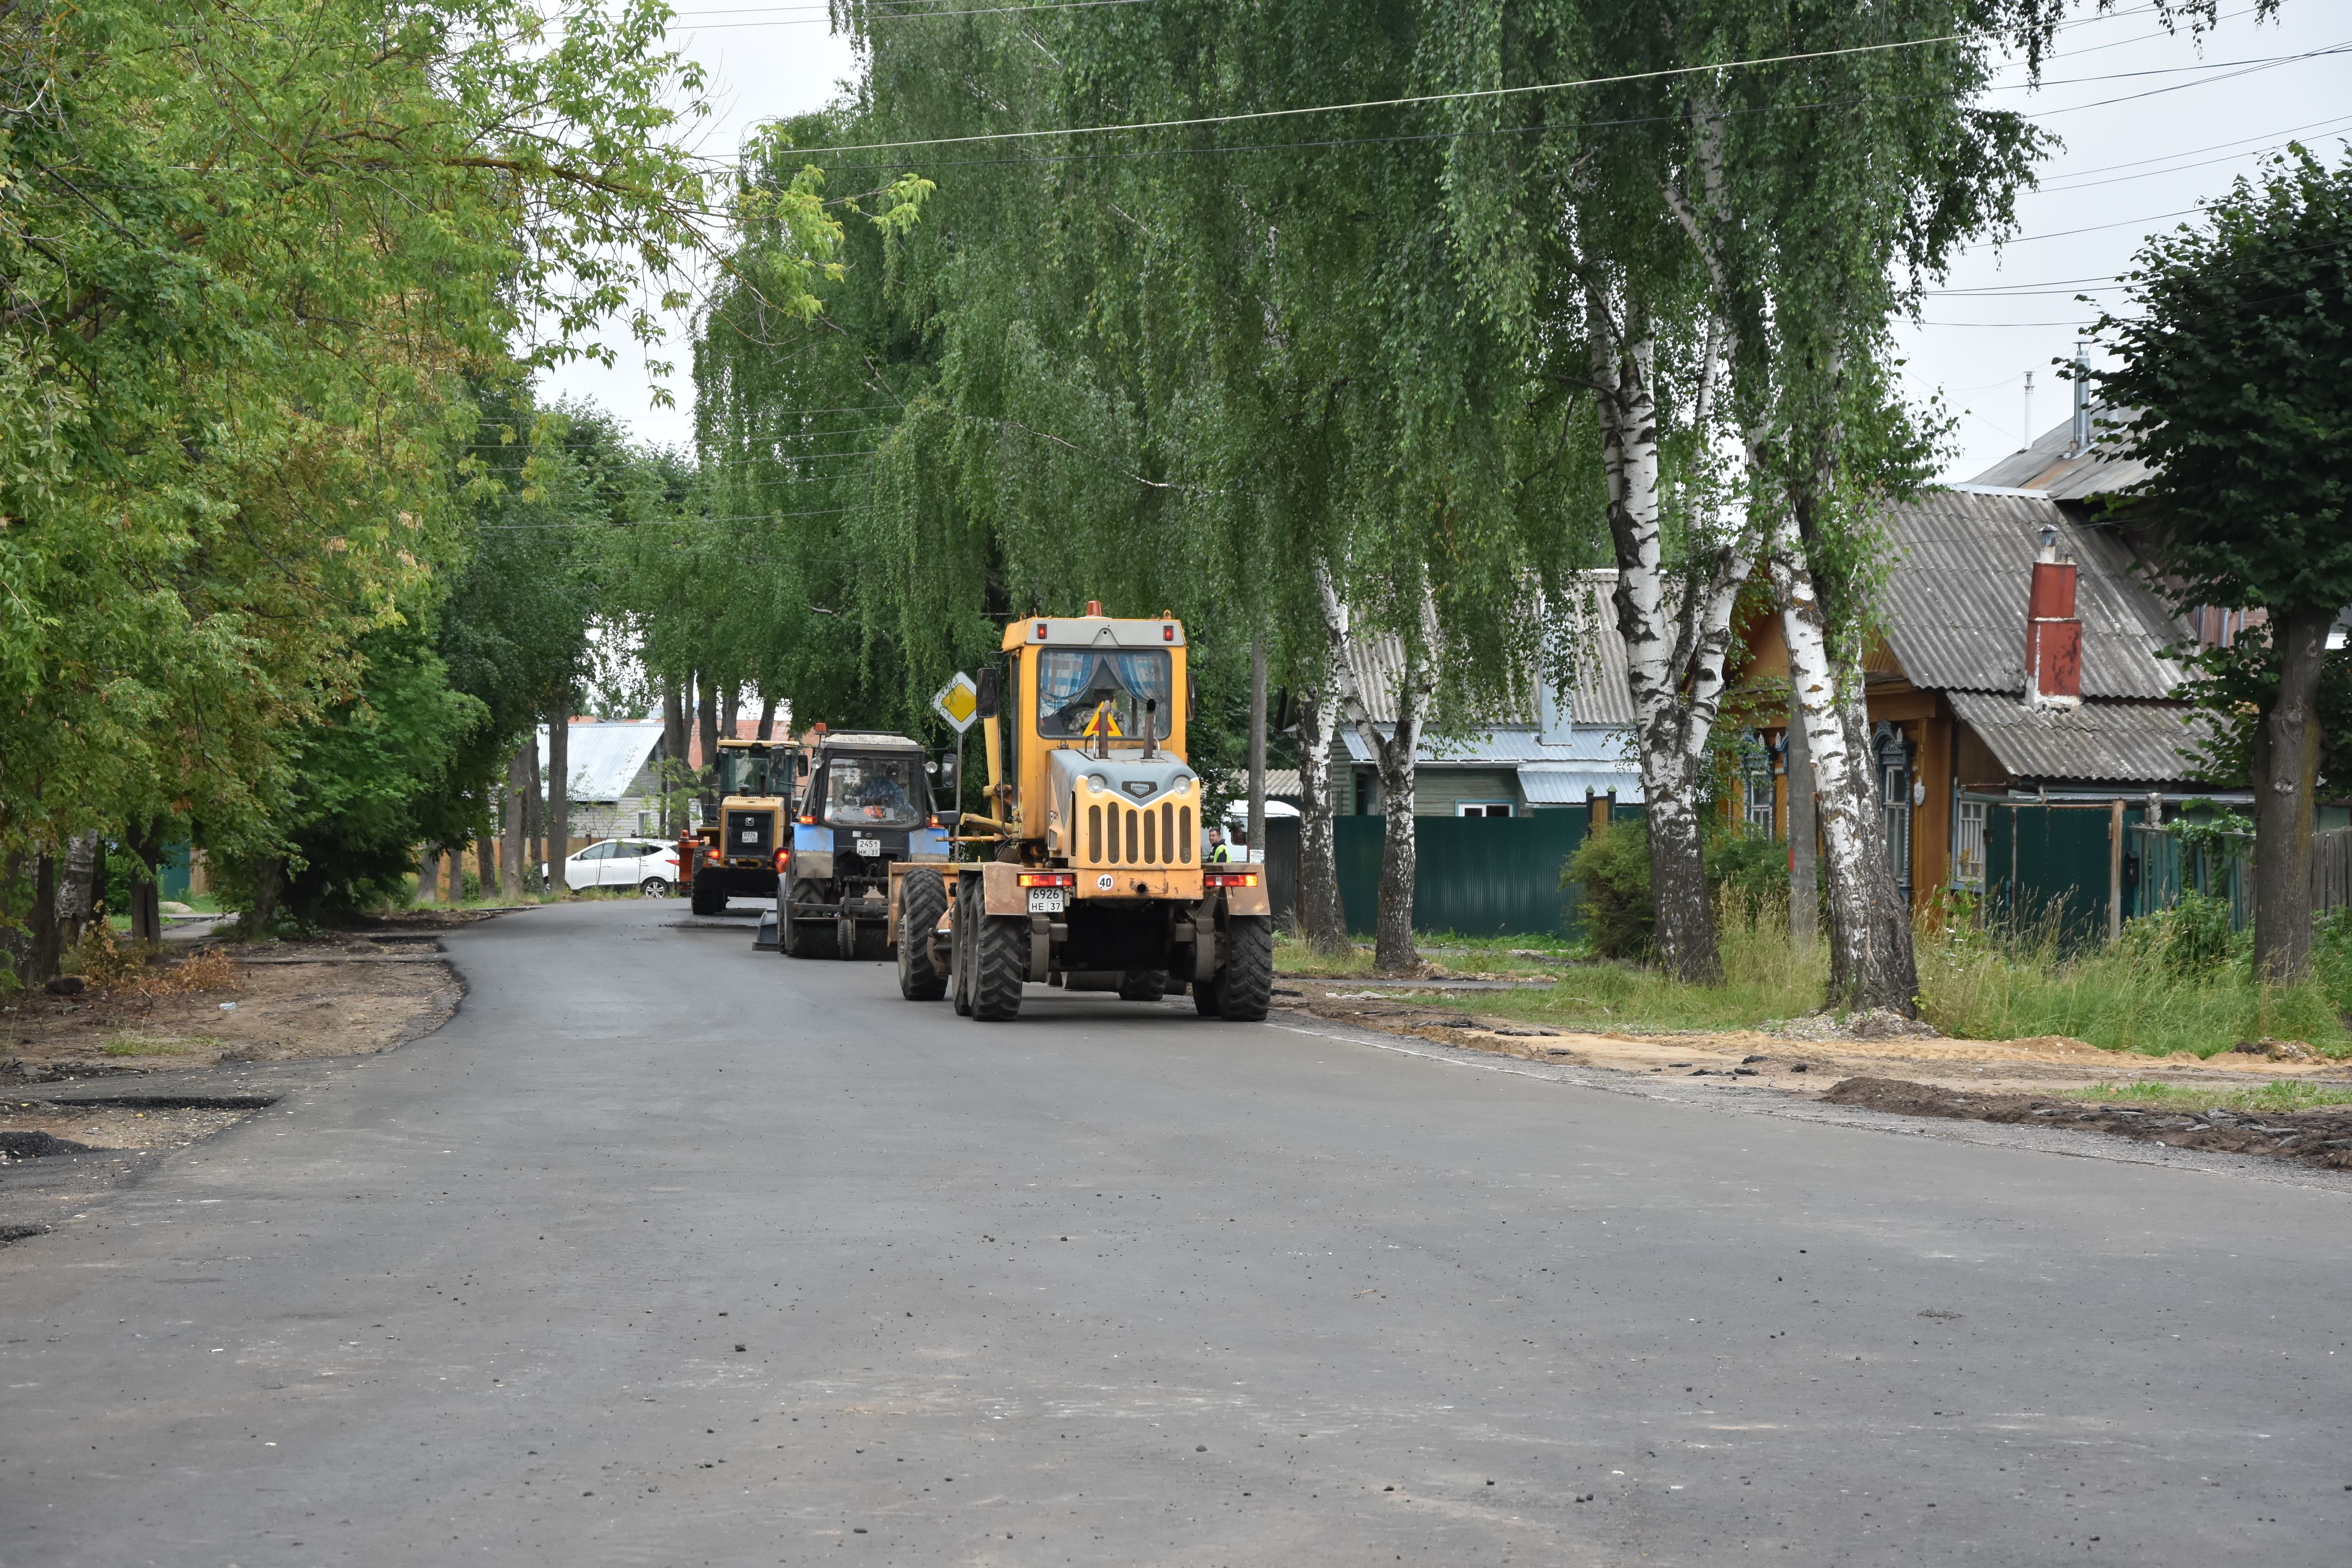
(1344,440)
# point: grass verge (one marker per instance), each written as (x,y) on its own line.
(2285,1095)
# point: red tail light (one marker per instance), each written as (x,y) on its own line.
(1049,879)
(784,859)
(1229,879)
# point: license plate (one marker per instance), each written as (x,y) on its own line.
(869,847)
(1045,900)
(751,835)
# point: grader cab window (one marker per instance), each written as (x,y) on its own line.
(875,791)
(1089,696)
(742,772)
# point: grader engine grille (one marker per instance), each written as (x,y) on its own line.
(749,835)
(1149,835)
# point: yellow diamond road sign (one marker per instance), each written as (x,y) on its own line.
(958,703)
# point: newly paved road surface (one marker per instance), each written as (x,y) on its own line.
(667,1253)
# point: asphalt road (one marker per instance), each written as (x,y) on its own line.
(664,1252)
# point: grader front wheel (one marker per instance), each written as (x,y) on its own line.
(923,899)
(1003,966)
(1243,988)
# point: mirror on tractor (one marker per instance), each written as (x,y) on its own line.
(984,695)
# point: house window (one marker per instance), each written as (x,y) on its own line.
(1483,809)
(644,822)
(1894,756)
(1756,774)
(1968,847)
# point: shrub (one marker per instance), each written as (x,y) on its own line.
(102,960)
(1613,867)
(1747,880)
(2190,940)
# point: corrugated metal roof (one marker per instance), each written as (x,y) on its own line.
(1506,748)
(1599,696)
(1557,783)
(603,758)
(2112,743)
(1956,598)
(2045,467)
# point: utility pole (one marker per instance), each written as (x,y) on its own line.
(1257,749)
(2029,413)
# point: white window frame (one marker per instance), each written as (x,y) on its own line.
(1485,809)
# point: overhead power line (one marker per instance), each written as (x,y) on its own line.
(1462,97)
(893,15)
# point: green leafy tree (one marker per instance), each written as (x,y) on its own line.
(252,258)
(2236,365)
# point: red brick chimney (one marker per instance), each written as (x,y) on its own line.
(2053,633)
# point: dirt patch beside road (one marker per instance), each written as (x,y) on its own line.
(351,994)
(2321,1137)
(1795,1059)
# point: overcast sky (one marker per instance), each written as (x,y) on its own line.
(2151,123)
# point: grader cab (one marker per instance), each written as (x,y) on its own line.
(1091,875)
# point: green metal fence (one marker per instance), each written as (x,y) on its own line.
(1481,876)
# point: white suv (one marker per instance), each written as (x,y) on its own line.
(650,868)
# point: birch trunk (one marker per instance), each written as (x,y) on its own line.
(1870,961)
(1804,875)
(1392,946)
(1321,918)
(429,875)
(2287,782)
(1397,755)
(1677,634)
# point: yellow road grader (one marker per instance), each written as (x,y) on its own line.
(1091,875)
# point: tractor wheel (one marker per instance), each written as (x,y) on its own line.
(1243,988)
(709,897)
(922,899)
(803,939)
(872,942)
(962,964)
(1144,985)
(996,979)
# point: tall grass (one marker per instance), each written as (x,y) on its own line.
(2171,985)
(2168,986)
